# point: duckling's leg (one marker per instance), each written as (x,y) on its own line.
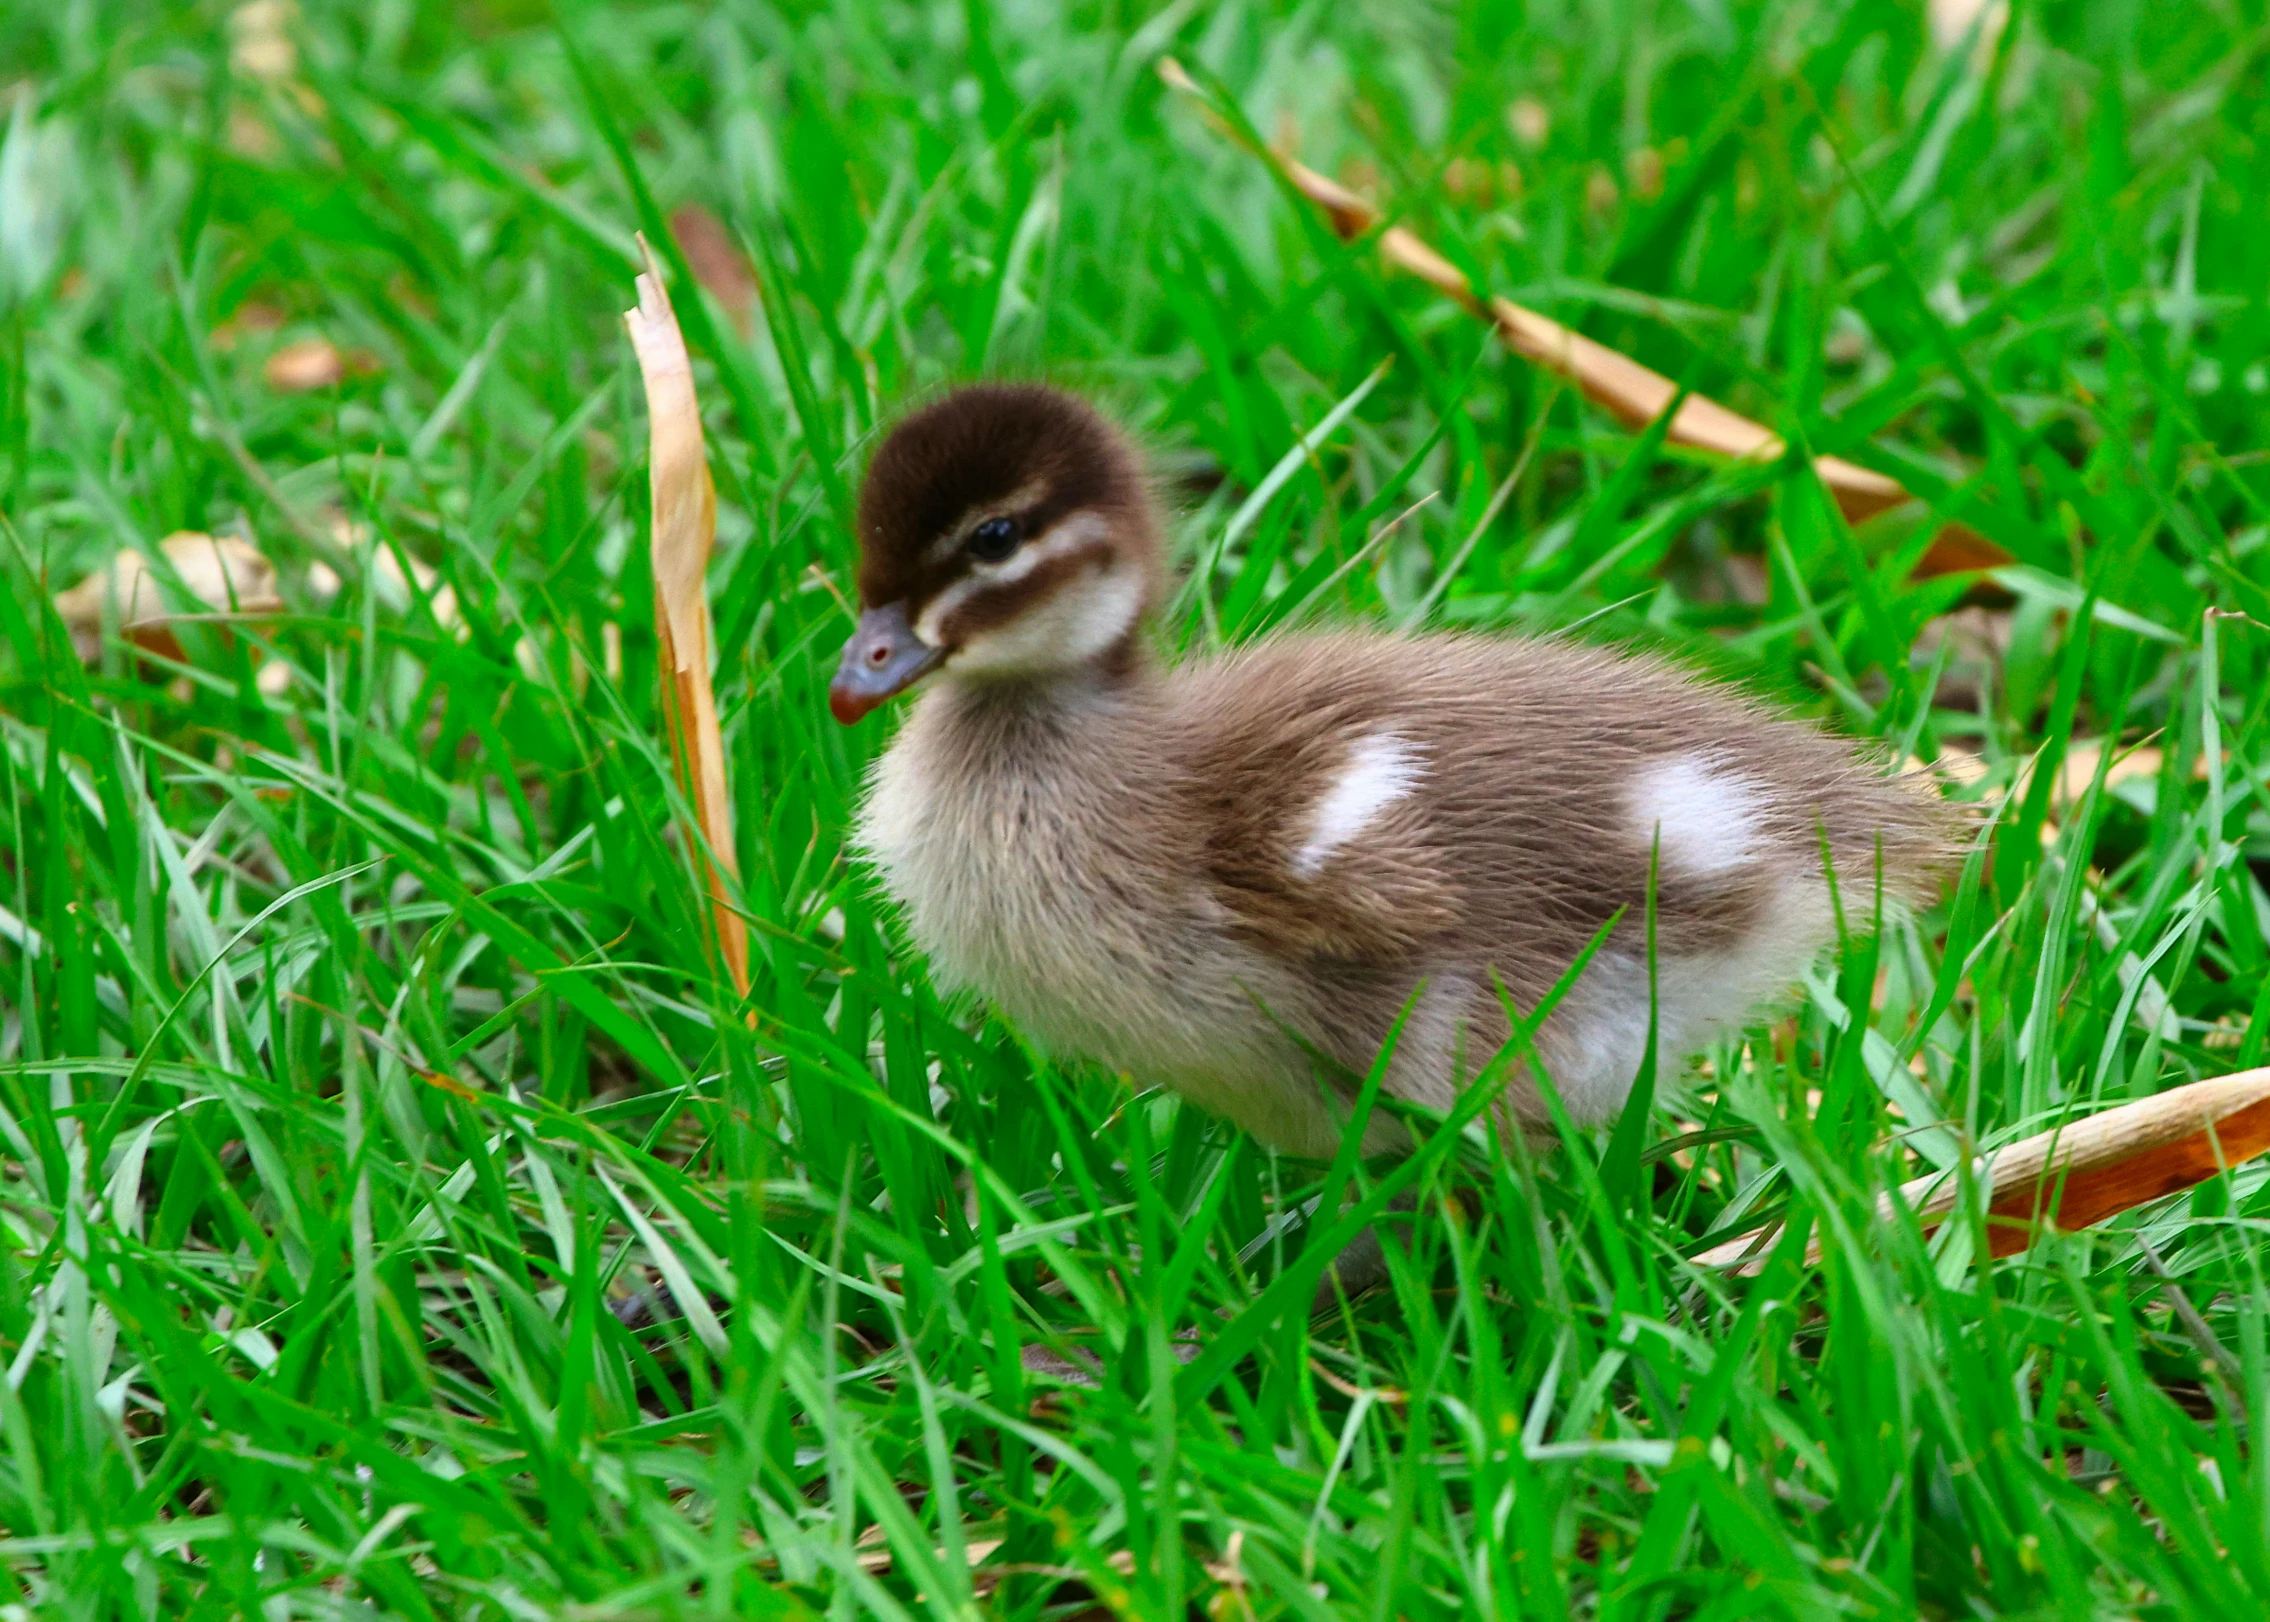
(1431,1063)
(1361,1266)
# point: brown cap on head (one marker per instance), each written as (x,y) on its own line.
(1004,529)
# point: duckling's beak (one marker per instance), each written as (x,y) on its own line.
(883,657)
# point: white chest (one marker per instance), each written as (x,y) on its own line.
(997,893)
(1034,888)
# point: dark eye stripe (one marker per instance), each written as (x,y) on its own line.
(996,606)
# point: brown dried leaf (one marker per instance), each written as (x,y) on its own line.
(385,579)
(2080,769)
(685,523)
(303,366)
(717,262)
(874,1556)
(308,364)
(252,136)
(251,317)
(1951,20)
(1039,1359)
(1530,120)
(1636,395)
(2085,1170)
(260,39)
(224,574)
(2074,774)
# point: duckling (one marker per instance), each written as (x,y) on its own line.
(1208,873)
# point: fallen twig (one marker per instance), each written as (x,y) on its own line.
(1635,394)
(2081,1172)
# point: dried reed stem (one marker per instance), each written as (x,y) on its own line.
(1636,395)
(685,523)
(2083,1171)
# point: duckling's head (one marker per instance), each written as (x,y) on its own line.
(1005,533)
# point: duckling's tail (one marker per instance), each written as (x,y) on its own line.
(1896,829)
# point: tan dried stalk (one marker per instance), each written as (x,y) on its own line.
(1636,395)
(685,523)
(2083,1171)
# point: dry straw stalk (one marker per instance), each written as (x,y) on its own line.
(2083,1171)
(1636,395)
(685,524)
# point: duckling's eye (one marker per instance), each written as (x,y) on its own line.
(993,540)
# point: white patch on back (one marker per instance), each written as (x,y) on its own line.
(1706,817)
(1382,769)
(1594,1041)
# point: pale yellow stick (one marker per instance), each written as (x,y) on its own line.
(2083,1171)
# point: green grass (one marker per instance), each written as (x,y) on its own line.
(359,1045)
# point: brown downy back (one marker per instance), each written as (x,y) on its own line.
(1531,751)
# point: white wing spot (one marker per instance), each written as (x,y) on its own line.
(1707,818)
(1382,769)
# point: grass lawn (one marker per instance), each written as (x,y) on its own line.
(400,1215)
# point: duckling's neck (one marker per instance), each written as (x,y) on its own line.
(1116,685)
